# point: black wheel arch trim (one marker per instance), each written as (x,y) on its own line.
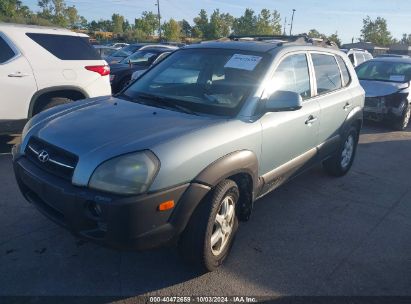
(355,116)
(41,92)
(243,161)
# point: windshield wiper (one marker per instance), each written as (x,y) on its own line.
(166,101)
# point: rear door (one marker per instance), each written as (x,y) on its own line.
(332,95)
(290,138)
(17,83)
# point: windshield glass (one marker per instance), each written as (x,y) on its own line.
(125,51)
(141,58)
(203,80)
(384,71)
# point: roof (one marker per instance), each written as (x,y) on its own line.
(24,28)
(392,59)
(251,46)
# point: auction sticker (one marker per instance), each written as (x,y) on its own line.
(243,62)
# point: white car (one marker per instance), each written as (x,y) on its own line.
(42,67)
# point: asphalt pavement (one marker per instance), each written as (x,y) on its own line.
(314,236)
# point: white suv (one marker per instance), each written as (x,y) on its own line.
(42,67)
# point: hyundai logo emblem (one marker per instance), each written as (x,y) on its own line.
(43,156)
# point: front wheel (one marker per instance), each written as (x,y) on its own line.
(210,232)
(340,163)
(402,123)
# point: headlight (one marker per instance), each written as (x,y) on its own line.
(126,174)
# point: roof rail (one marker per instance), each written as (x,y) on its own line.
(281,39)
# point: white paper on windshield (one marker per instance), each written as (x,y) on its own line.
(397,78)
(243,62)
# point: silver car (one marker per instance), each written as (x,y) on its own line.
(183,153)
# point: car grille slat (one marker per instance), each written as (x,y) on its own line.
(59,162)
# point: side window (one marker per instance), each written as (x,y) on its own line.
(351,56)
(360,58)
(327,73)
(6,52)
(66,47)
(292,75)
(344,71)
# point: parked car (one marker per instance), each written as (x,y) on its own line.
(121,72)
(42,67)
(357,56)
(116,57)
(104,51)
(160,57)
(184,158)
(119,45)
(386,82)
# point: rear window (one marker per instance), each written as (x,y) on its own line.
(344,71)
(327,73)
(66,47)
(6,52)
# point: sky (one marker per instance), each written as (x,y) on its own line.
(328,17)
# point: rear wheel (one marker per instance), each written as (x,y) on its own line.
(340,163)
(47,103)
(402,123)
(208,237)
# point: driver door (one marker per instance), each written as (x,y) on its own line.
(290,137)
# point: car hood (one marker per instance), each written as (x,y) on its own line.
(111,126)
(381,88)
(117,67)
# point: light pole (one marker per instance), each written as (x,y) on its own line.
(159,18)
(285,26)
(292,20)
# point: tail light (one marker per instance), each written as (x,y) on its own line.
(103,70)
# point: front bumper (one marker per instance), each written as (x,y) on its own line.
(122,222)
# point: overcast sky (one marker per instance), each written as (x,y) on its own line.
(327,16)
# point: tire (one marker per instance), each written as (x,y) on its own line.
(340,163)
(51,102)
(402,123)
(215,218)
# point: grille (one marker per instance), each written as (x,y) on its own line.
(372,102)
(57,162)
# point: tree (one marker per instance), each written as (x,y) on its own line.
(117,21)
(268,23)
(376,31)
(219,26)
(246,24)
(13,8)
(171,30)
(406,39)
(147,24)
(201,25)
(185,28)
(313,33)
(334,38)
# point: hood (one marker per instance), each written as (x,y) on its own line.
(113,126)
(381,88)
(117,67)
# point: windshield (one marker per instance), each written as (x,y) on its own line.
(203,80)
(125,51)
(384,71)
(141,58)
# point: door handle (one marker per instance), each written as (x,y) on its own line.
(347,106)
(18,75)
(310,120)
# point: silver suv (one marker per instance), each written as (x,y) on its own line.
(183,153)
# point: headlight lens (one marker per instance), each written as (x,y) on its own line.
(126,174)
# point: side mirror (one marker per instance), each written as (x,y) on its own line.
(282,101)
